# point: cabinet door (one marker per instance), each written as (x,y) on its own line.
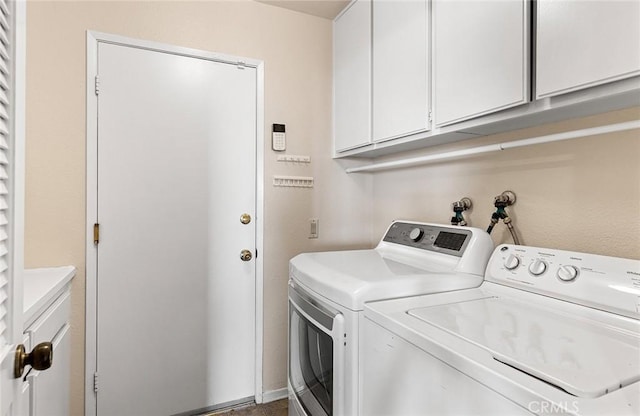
(481,57)
(400,68)
(50,388)
(580,44)
(352,76)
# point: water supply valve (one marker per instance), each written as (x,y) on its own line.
(502,201)
(458,208)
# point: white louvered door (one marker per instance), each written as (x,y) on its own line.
(11,199)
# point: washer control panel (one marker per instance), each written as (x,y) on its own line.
(449,240)
(607,283)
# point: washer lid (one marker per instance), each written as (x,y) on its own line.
(351,278)
(554,345)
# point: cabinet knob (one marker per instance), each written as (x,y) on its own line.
(40,358)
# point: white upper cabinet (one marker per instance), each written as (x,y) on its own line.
(416,73)
(480,57)
(352,77)
(581,44)
(400,68)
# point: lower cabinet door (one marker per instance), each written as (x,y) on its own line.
(50,388)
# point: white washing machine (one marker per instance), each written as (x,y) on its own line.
(547,332)
(328,290)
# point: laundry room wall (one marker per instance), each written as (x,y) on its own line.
(297,51)
(581,195)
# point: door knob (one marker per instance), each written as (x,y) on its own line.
(39,358)
(245,218)
(245,255)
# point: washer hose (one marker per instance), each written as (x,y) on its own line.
(512,230)
(501,214)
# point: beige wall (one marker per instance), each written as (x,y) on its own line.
(581,194)
(296,49)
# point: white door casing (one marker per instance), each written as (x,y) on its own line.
(12,151)
(176,162)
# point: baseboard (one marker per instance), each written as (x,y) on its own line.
(219,407)
(273,395)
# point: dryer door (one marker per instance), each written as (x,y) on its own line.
(314,356)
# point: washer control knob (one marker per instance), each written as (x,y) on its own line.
(416,234)
(567,272)
(512,262)
(537,267)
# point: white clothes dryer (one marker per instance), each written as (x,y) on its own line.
(547,332)
(328,291)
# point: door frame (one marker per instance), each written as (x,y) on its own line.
(93,39)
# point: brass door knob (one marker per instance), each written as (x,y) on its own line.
(245,255)
(40,358)
(245,218)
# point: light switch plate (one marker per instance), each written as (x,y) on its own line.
(313,228)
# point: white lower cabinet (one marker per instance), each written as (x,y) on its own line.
(480,57)
(46,393)
(581,44)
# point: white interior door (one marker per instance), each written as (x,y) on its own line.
(13,391)
(176,170)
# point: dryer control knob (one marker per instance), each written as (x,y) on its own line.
(537,267)
(512,262)
(416,234)
(567,272)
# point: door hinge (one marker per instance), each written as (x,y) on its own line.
(95,382)
(97,84)
(96,233)
(241,65)
(430,116)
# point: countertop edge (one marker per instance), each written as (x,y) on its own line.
(41,287)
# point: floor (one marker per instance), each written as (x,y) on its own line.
(277,408)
